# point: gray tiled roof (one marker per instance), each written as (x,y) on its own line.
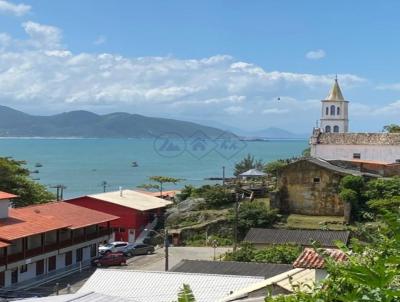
(79,297)
(327,165)
(266,270)
(301,237)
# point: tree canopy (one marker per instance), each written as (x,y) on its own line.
(392,128)
(14,178)
(247,163)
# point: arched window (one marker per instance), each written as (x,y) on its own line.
(327,129)
(327,111)
(338,111)
(336,128)
(333,110)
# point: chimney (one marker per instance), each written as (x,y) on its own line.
(120,192)
(5,203)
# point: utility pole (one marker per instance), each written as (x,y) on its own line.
(104,185)
(166,244)
(60,191)
(223,175)
(235,227)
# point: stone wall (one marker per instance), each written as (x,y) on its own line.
(306,188)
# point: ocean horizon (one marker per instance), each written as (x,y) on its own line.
(82,164)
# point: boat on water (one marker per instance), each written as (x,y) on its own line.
(135,164)
(38,165)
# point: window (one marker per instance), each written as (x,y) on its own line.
(316,180)
(338,111)
(333,110)
(336,129)
(68,258)
(93,250)
(23,268)
(79,255)
(398,161)
(356,155)
(327,111)
(327,129)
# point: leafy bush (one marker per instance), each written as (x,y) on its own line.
(273,167)
(254,214)
(383,188)
(285,253)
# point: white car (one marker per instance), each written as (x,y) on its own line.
(113,247)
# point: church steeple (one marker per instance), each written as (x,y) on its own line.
(334,115)
(335,94)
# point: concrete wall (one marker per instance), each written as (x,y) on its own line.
(384,153)
(300,194)
(4,204)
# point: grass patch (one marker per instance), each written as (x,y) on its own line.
(264,200)
(295,221)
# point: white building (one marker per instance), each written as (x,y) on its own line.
(332,141)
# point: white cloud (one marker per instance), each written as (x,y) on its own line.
(15,9)
(43,36)
(39,71)
(100,40)
(316,54)
(275,111)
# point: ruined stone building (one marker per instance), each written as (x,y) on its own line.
(310,186)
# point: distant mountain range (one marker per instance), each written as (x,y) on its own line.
(14,123)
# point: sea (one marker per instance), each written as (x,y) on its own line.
(82,165)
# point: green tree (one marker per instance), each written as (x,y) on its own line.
(14,178)
(351,191)
(247,163)
(392,128)
(383,188)
(273,167)
(370,274)
(306,152)
(160,180)
(186,294)
(255,214)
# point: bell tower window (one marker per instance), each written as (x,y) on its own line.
(327,129)
(333,110)
(336,129)
(338,111)
(327,111)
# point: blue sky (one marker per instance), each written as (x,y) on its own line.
(218,62)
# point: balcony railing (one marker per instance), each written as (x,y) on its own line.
(52,247)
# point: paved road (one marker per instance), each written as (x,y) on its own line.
(154,262)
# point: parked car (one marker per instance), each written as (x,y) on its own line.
(134,249)
(113,247)
(109,259)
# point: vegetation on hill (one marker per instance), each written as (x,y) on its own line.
(89,124)
(159,182)
(14,178)
(285,253)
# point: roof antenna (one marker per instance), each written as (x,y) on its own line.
(120,191)
(336,78)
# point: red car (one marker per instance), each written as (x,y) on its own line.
(109,259)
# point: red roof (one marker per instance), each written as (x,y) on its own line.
(36,219)
(5,195)
(309,258)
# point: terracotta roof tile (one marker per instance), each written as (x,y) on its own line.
(309,258)
(5,195)
(32,220)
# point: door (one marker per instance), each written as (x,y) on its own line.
(14,276)
(39,267)
(132,235)
(2,279)
(52,263)
(68,258)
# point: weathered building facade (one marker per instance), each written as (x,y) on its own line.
(310,186)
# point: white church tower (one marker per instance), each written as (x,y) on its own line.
(335,113)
